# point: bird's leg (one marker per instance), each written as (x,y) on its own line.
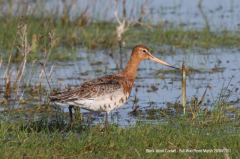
(89,116)
(71,118)
(106,120)
(70,114)
(106,123)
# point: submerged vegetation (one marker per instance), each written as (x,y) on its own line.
(30,126)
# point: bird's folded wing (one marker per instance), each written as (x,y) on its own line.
(91,89)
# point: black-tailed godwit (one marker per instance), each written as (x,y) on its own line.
(109,92)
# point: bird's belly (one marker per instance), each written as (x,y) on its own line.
(104,103)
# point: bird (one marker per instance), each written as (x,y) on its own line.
(109,92)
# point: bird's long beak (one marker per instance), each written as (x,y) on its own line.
(151,57)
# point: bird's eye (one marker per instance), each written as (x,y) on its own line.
(144,51)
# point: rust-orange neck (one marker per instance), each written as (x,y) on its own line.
(130,70)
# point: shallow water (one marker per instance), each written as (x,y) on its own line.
(214,66)
(204,63)
(220,14)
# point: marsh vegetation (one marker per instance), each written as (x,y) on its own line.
(50,47)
